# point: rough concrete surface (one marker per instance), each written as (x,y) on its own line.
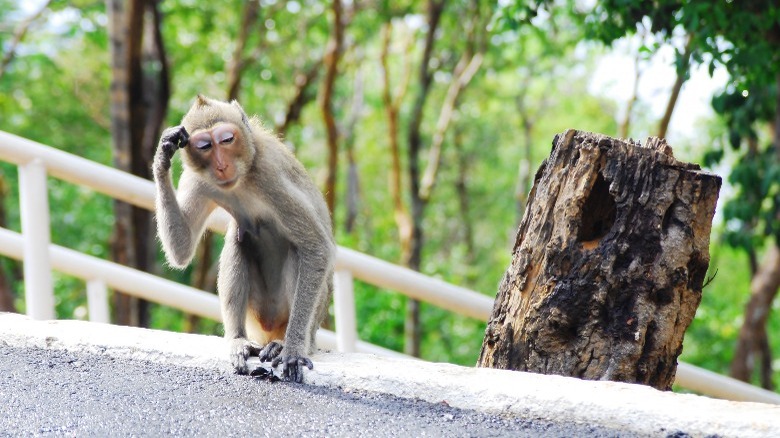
(55,392)
(637,410)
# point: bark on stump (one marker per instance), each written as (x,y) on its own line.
(608,263)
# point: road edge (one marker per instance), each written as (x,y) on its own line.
(629,408)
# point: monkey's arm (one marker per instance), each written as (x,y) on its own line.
(180,218)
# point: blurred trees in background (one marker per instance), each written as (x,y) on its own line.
(423,122)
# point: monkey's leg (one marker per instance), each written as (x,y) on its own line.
(233,285)
(281,279)
(309,288)
(322,312)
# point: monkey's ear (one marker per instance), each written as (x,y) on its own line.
(244,117)
(201,100)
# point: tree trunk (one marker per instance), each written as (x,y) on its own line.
(392,102)
(328,88)
(412,321)
(7,277)
(139,102)
(6,293)
(302,96)
(464,161)
(235,70)
(121,133)
(149,109)
(608,264)
(752,346)
(682,76)
(353,176)
(464,71)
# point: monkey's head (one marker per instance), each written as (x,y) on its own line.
(221,145)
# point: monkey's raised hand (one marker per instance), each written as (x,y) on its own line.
(173,138)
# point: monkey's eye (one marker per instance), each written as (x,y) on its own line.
(203,145)
(226,138)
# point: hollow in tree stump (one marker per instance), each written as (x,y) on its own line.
(608,264)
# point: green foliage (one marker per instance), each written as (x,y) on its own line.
(742,109)
(57,91)
(746,40)
(748,51)
(753,213)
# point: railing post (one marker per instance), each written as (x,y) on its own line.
(34,206)
(97,301)
(344,309)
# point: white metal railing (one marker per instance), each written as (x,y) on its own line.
(35,161)
(34,209)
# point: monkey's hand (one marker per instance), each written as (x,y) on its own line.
(292,365)
(171,139)
(240,350)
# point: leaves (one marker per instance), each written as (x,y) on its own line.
(56,91)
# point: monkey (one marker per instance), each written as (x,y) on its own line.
(275,274)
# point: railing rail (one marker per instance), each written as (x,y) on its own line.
(35,161)
(101,274)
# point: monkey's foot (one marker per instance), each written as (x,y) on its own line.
(292,366)
(240,350)
(270,352)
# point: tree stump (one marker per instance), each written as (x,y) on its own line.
(608,264)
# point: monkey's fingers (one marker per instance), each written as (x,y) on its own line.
(173,138)
(184,138)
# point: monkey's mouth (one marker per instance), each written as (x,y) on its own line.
(226,183)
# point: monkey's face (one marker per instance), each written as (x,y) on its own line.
(221,151)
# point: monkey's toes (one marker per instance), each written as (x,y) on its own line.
(254,348)
(240,350)
(270,352)
(239,364)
